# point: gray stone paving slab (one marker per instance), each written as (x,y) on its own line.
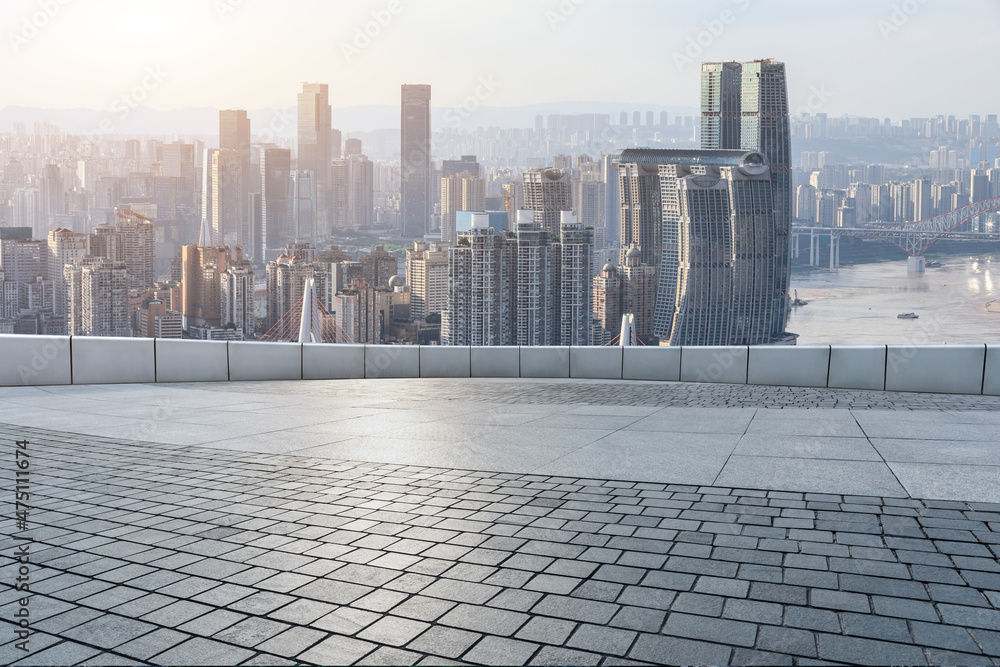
(949,481)
(410,563)
(818,475)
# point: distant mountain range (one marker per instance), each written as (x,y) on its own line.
(204,121)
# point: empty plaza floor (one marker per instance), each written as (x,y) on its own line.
(500,522)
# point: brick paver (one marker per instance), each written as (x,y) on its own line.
(174,554)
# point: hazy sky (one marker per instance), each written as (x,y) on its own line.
(897,58)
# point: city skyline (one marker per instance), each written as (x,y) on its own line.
(50,59)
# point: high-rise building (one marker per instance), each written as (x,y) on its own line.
(607,304)
(22,259)
(459,192)
(138,249)
(480,302)
(576,248)
(764,128)
(98,298)
(721,270)
(237,299)
(286,280)
(202,267)
(720,105)
(377,267)
(316,145)
(275,175)
(641,211)
(64,246)
(156,320)
(538,276)
(234,134)
(304,214)
(547,192)
(28,211)
(221,200)
(427,277)
(415,154)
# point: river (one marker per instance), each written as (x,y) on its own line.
(858,304)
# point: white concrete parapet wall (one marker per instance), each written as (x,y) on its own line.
(60,360)
(496,362)
(392,361)
(857,367)
(112,360)
(545,362)
(789,366)
(944,369)
(991,375)
(332,362)
(264,361)
(596,363)
(35,361)
(191,360)
(714,364)
(651,363)
(445,361)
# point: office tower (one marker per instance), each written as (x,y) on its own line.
(237,299)
(179,166)
(477,312)
(721,268)
(221,201)
(63,247)
(28,211)
(377,267)
(576,248)
(275,172)
(53,193)
(415,154)
(21,259)
(459,192)
(256,214)
(234,134)
(764,128)
(427,277)
(352,147)
(636,119)
(362,192)
(202,268)
(316,145)
(547,192)
(97,298)
(303,223)
(340,193)
(623,118)
(649,119)
(720,105)
(138,249)
(663,119)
